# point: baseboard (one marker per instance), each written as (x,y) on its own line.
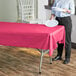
(73,45)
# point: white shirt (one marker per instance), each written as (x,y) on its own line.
(68,4)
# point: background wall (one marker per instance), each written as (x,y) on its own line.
(74,27)
(8,10)
(41,9)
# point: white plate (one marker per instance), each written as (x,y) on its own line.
(51,23)
(57,9)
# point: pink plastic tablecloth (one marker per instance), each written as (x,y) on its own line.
(31,35)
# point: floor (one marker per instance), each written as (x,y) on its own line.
(17,61)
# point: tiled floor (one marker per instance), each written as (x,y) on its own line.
(16,61)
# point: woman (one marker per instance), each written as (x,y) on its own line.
(63,11)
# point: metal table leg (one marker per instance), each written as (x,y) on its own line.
(41,62)
(41,58)
(50,59)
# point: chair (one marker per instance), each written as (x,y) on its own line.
(25,10)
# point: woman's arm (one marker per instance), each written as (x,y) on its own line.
(71,9)
(52,16)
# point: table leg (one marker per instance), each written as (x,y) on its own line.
(41,62)
(50,59)
(43,52)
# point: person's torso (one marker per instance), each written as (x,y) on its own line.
(62,4)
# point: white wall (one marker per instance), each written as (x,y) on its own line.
(8,10)
(74,27)
(43,14)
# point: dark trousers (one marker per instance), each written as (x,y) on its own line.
(67,23)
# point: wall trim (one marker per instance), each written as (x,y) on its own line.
(73,45)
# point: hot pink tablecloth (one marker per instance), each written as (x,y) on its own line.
(31,35)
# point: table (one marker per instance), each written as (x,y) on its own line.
(31,36)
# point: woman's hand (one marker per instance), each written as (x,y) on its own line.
(52,16)
(66,10)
